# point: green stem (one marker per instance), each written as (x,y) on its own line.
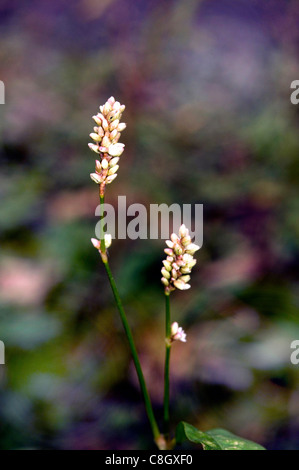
(146,397)
(147,401)
(167,362)
(102,237)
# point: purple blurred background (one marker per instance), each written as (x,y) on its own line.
(206,86)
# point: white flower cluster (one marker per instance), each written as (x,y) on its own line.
(179,262)
(106,136)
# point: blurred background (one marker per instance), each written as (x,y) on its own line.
(206,86)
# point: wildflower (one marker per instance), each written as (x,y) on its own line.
(105,138)
(97,243)
(177,333)
(179,261)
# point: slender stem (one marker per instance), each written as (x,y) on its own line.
(147,401)
(102,238)
(167,361)
(146,397)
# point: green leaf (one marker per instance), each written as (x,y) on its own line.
(185,431)
(228,441)
(215,439)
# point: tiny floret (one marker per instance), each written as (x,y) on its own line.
(97,243)
(177,333)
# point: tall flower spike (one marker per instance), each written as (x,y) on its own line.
(106,136)
(179,261)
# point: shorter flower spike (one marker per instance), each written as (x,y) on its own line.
(179,261)
(177,333)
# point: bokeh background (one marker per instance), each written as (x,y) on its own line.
(206,86)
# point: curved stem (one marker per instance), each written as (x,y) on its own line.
(148,406)
(147,401)
(167,362)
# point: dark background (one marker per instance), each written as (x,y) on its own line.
(209,120)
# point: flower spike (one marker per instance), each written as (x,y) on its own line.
(179,261)
(105,142)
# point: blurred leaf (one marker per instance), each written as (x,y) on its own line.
(185,431)
(28,332)
(228,441)
(215,439)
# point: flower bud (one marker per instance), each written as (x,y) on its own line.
(167,265)
(98,166)
(169,244)
(108,240)
(178,250)
(113,170)
(181,284)
(168,251)
(174,238)
(186,241)
(113,134)
(116,139)
(107,108)
(111,100)
(174,328)
(115,150)
(121,127)
(183,231)
(98,120)
(185,270)
(113,161)
(105,124)
(174,274)
(104,164)
(94,148)
(114,114)
(106,141)
(96,178)
(185,278)
(180,262)
(192,263)
(100,131)
(114,125)
(96,243)
(165,281)
(110,178)
(177,333)
(192,248)
(95,137)
(187,258)
(165,273)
